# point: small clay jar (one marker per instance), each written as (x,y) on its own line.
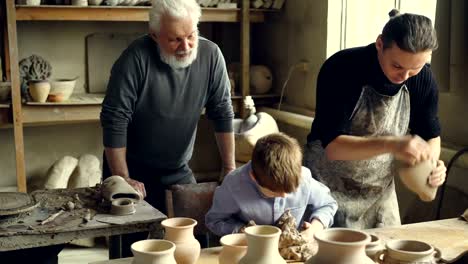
(374,246)
(234,248)
(408,252)
(153,251)
(39,90)
(262,245)
(415,178)
(180,231)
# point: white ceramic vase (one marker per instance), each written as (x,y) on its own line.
(153,251)
(262,245)
(341,246)
(180,231)
(39,90)
(234,248)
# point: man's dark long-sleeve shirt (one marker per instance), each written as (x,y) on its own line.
(153,109)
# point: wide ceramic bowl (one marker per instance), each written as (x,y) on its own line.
(61,89)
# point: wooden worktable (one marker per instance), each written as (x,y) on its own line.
(25,231)
(450,236)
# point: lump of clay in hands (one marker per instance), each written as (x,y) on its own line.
(292,245)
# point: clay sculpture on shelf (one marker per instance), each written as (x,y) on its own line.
(33,67)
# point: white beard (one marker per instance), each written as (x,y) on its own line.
(176,63)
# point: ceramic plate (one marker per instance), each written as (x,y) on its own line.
(15,202)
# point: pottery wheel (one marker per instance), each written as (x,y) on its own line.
(15,202)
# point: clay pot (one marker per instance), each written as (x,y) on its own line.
(415,178)
(374,246)
(408,252)
(234,248)
(153,251)
(341,246)
(261,79)
(39,90)
(95,2)
(180,231)
(122,206)
(116,187)
(262,245)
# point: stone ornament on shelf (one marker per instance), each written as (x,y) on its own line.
(34,68)
(153,251)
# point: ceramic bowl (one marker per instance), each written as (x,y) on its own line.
(4,92)
(153,251)
(62,89)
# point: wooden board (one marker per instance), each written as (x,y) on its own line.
(76,99)
(207,256)
(102,50)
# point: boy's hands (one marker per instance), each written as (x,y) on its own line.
(309,229)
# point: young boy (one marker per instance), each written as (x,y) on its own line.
(271,183)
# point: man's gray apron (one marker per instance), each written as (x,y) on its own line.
(365,189)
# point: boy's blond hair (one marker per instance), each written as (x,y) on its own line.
(277,162)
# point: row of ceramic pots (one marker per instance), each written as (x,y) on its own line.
(259,245)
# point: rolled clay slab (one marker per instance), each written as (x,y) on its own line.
(116,187)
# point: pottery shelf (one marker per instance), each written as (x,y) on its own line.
(104,13)
(18,114)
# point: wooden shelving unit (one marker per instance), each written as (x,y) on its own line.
(17,115)
(126,14)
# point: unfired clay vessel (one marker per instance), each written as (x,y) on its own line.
(116,187)
(341,246)
(39,90)
(408,252)
(262,245)
(234,248)
(261,79)
(180,231)
(415,178)
(153,251)
(122,206)
(374,246)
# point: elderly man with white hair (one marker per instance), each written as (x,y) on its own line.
(156,93)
